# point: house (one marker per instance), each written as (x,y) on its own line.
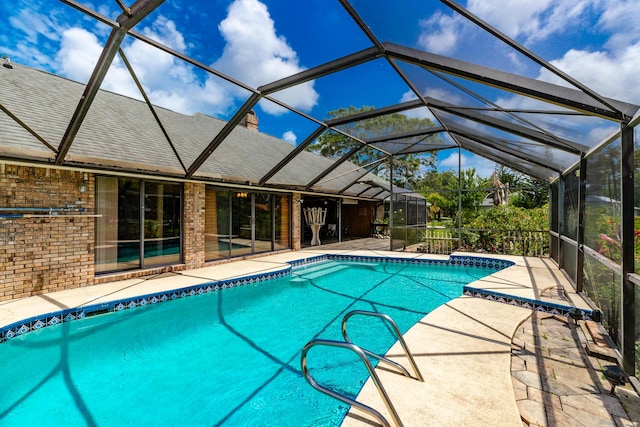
(119,205)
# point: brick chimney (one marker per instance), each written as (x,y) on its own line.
(250,121)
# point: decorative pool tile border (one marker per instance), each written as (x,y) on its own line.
(49,319)
(531,304)
(454,260)
(305,262)
(38,322)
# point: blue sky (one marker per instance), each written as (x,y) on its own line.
(257,42)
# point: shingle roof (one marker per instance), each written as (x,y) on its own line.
(121,133)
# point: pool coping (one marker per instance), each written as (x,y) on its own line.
(51,318)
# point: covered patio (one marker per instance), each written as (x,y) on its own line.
(473,351)
(542,122)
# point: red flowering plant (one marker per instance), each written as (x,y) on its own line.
(610,239)
(607,238)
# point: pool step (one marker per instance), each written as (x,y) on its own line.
(314,267)
(317,271)
(365,264)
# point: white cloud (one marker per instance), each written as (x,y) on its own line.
(408,96)
(168,82)
(440,33)
(290,137)
(449,162)
(512,17)
(78,54)
(29,34)
(612,74)
(34,25)
(416,113)
(530,21)
(580,129)
(435,93)
(484,168)
(256,55)
(621,17)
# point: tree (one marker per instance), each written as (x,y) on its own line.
(471,196)
(407,168)
(531,192)
(441,191)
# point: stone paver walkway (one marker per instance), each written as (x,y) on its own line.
(556,383)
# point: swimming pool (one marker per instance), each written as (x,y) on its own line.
(230,357)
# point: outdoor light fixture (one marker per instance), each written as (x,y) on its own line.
(241,195)
(82,186)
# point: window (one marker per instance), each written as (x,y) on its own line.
(241,223)
(139,224)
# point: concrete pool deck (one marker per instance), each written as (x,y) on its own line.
(463,348)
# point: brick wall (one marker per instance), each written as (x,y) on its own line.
(42,253)
(296,223)
(194,225)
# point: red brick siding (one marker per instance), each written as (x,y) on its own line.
(194,225)
(50,253)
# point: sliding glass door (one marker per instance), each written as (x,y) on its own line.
(161,223)
(139,223)
(217,240)
(264,222)
(241,223)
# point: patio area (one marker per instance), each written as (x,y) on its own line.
(484,362)
(490,363)
(201,152)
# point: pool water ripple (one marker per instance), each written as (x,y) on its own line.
(230,357)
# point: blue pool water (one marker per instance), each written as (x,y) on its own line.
(230,357)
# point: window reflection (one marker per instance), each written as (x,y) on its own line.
(241,223)
(603,203)
(161,223)
(122,242)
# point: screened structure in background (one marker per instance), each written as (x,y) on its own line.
(408,221)
(544,123)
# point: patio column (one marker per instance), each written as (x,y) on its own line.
(296,222)
(195,224)
(339,220)
(628,251)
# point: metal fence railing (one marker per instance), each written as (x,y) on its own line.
(440,241)
(505,242)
